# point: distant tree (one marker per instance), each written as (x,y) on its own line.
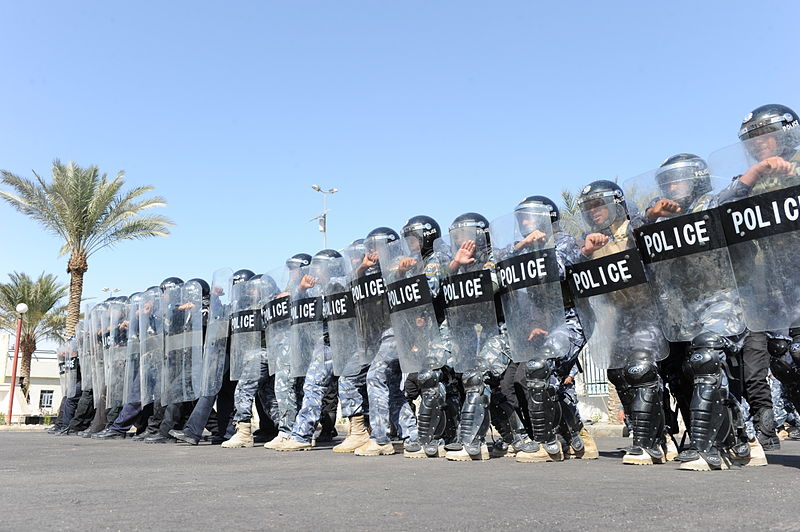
(89,212)
(45,319)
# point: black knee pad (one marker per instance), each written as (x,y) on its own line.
(473,380)
(538,369)
(705,362)
(641,373)
(428,378)
(777,347)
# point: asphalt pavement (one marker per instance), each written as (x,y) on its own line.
(70,483)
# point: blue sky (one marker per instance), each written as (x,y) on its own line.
(233,111)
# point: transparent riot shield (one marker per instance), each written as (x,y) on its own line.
(529,284)
(151,345)
(116,353)
(183,344)
(131,392)
(216,343)
(411,305)
(247,326)
(343,329)
(369,300)
(307,332)
(277,321)
(99,323)
(684,252)
(612,288)
(469,284)
(86,361)
(763,228)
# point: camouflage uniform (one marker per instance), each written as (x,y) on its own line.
(318,378)
(284,387)
(386,399)
(246,391)
(352,393)
(782,405)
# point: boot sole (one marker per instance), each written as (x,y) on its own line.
(753,461)
(237,446)
(702,465)
(375,453)
(643,460)
(539,458)
(415,454)
(483,456)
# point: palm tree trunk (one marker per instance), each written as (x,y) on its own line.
(76,267)
(28,346)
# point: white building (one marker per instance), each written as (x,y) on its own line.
(45,391)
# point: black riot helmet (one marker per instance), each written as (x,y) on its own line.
(154,287)
(170,282)
(522,206)
(204,289)
(771,121)
(425,230)
(602,204)
(683,178)
(327,261)
(768,118)
(298,261)
(242,275)
(119,299)
(471,226)
(536,213)
(377,236)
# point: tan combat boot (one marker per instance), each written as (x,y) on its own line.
(373,448)
(541,454)
(589,451)
(277,441)
(242,438)
(357,435)
(290,444)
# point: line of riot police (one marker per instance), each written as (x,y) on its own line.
(683,277)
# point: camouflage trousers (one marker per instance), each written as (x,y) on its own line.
(318,378)
(352,393)
(248,389)
(285,393)
(386,398)
(782,406)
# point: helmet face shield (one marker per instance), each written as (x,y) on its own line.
(468,233)
(598,212)
(773,144)
(413,242)
(532,218)
(684,181)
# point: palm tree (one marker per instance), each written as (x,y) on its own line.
(45,319)
(89,212)
(570,214)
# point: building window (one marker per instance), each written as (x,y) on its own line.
(46,399)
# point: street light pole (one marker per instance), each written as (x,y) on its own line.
(323,216)
(22,308)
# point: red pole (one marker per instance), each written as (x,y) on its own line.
(14,371)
